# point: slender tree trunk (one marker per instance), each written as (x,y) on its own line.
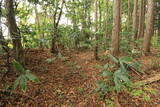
(3,43)
(159,32)
(2,39)
(116,27)
(44,28)
(75,27)
(89,15)
(141,19)
(135,19)
(38,26)
(54,47)
(100,14)
(14,32)
(129,16)
(96,30)
(106,24)
(149,26)
(89,21)
(84,21)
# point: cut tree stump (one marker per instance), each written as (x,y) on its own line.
(150,80)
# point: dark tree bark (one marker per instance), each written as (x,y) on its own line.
(129,15)
(141,19)
(14,32)
(159,32)
(116,27)
(135,19)
(96,30)
(106,24)
(54,47)
(149,26)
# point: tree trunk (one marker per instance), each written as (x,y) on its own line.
(158,32)
(3,43)
(96,30)
(38,26)
(135,19)
(100,14)
(129,16)
(141,19)
(84,22)
(106,24)
(14,32)
(116,27)
(54,46)
(149,26)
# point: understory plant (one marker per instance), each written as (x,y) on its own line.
(24,76)
(116,75)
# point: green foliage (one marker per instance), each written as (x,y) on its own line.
(144,92)
(155,64)
(126,44)
(102,88)
(133,48)
(150,90)
(117,73)
(109,102)
(137,93)
(1,51)
(97,66)
(50,60)
(3,71)
(24,76)
(34,1)
(67,35)
(146,97)
(60,56)
(81,90)
(74,65)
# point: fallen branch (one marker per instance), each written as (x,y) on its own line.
(155,78)
(138,73)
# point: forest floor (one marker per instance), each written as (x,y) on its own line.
(70,81)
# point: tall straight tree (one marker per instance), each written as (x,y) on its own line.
(86,6)
(135,19)
(3,43)
(38,25)
(14,31)
(129,15)
(141,19)
(106,21)
(96,30)
(149,26)
(158,19)
(116,27)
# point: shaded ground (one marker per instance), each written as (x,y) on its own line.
(70,81)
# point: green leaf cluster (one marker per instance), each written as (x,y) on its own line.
(24,76)
(118,73)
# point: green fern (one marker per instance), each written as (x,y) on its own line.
(118,72)
(24,76)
